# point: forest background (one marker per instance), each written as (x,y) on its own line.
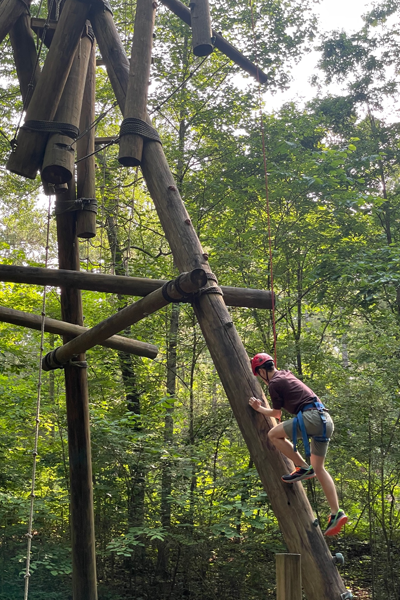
(179,509)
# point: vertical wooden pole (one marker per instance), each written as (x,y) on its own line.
(131,145)
(288,577)
(86,183)
(77,398)
(289,502)
(25,57)
(201,27)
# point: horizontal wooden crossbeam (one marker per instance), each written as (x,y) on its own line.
(116,342)
(117,284)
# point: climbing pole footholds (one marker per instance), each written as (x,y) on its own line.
(338,558)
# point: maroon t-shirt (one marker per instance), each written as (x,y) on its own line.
(288,392)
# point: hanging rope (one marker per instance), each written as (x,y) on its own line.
(266,181)
(37,420)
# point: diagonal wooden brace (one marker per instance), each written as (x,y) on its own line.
(175,290)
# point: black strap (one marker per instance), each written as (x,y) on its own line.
(139,127)
(64,206)
(52,127)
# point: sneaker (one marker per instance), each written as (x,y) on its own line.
(299,474)
(335,523)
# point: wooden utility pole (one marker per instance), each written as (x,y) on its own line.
(77,399)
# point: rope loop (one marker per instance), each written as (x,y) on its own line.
(52,127)
(139,127)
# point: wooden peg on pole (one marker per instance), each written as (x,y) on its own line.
(85,169)
(59,158)
(288,577)
(131,144)
(201,27)
(27,157)
(186,283)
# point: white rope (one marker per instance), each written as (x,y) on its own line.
(37,420)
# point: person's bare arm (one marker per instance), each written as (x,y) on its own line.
(269,412)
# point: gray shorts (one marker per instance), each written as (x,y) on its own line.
(314,426)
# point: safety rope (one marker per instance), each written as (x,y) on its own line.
(266,181)
(37,420)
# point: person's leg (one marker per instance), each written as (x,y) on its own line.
(278,437)
(326,482)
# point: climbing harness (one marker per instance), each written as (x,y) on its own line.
(298,421)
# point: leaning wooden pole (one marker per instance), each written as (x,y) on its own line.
(27,156)
(77,400)
(292,509)
(10,11)
(116,342)
(59,157)
(118,284)
(25,57)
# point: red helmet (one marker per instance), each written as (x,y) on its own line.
(258,360)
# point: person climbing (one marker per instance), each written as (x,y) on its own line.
(311,419)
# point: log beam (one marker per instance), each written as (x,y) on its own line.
(131,145)
(225,47)
(116,342)
(117,284)
(84,579)
(27,157)
(186,283)
(201,27)
(25,57)
(86,167)
(10,12)
(59,158)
